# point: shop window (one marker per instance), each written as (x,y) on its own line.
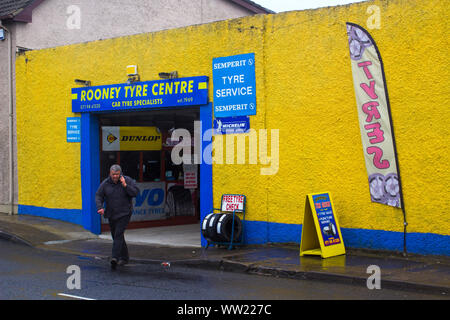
(173,171)
(151,166)
(107,159)
(129,161)
(181,197)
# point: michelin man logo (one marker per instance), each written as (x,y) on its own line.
(219,126)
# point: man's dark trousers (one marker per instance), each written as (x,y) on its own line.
(118,226)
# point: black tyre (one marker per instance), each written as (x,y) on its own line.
(211,229)
(182,205)
(205,226)
(225,226)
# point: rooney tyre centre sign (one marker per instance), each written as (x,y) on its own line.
(141,95)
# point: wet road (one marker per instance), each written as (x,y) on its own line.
(29,273)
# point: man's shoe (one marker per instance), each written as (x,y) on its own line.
(122,262)
(113,263)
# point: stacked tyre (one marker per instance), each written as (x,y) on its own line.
(179,202)
(218,227)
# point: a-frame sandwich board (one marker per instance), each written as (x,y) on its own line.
(321,234)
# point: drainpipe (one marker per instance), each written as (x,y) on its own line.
(11,122)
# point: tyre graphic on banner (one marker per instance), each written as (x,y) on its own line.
(374,117)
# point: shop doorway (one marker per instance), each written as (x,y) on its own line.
(167,197)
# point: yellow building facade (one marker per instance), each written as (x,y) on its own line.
(305,100)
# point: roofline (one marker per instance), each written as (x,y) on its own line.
(24,14)
(252,6)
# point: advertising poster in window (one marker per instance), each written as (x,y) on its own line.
(131,138)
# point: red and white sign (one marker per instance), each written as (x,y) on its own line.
(190,176)
(232,202)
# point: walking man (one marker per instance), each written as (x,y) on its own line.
(117,191)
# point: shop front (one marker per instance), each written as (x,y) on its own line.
(140,142)
(131,125)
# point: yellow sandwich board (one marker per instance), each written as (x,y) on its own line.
(321,234)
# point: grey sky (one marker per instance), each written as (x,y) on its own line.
(287,5)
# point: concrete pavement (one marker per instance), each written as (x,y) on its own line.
(180,245)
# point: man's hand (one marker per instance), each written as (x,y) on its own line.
(101,212)
(122,180)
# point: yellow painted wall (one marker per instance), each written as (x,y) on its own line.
(304,88)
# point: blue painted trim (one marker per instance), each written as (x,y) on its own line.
(68,215)
(260,232)
(373,239)
(428,243)
(90,171)
(206,184)
(420,243)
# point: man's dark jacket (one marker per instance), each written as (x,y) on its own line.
(117,198)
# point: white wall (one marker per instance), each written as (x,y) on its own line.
(101,19)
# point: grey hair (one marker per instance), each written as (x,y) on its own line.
(115,167)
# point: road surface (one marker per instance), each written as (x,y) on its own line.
(30,273)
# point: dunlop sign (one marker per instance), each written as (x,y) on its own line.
(131,138)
